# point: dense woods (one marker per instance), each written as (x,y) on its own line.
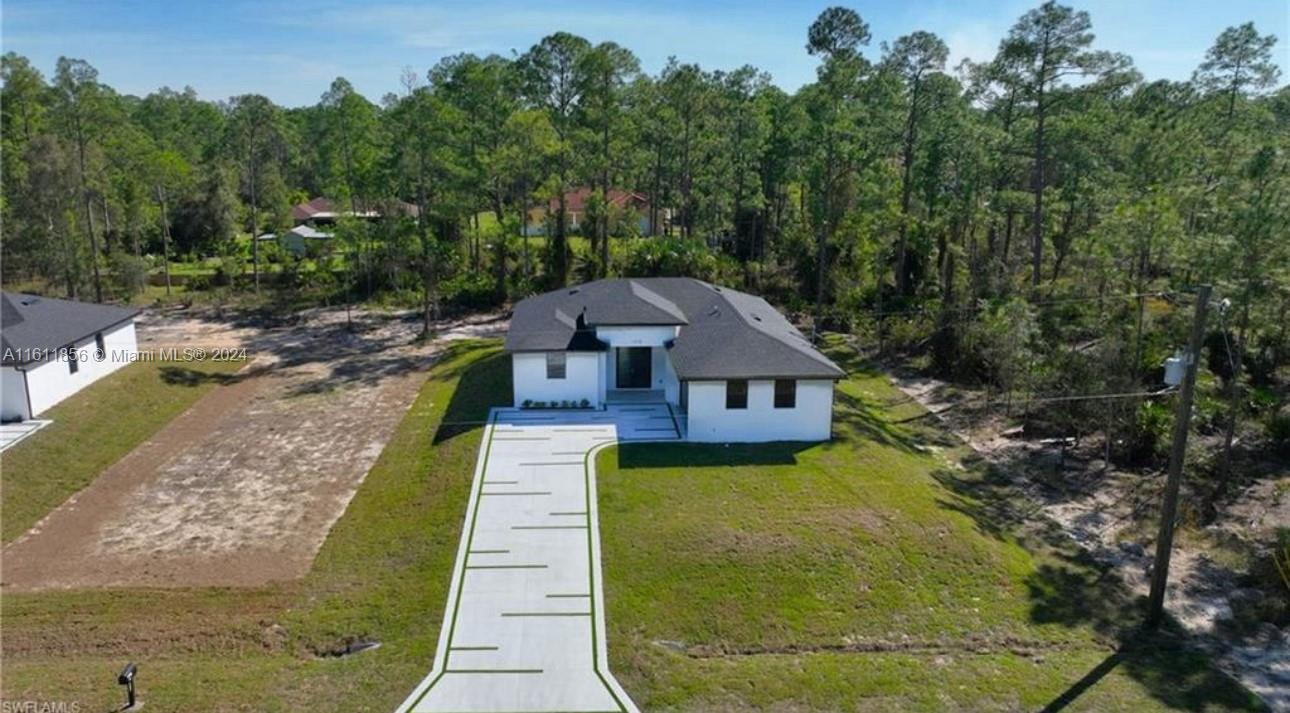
(1034,224)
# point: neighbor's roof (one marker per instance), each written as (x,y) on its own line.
(305,211)
(323,209)
(37,324)
(724,333)
(575,201)
(305,231)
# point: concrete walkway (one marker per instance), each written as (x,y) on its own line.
(524,628)
(12,433)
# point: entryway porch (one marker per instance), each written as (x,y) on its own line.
(635,396)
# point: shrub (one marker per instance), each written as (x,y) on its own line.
(198,283)
(1279,431)
(677,257)
(469,291)
(129,274)
(1154,421)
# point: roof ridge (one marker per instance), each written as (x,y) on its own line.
(793,340)
(654,299)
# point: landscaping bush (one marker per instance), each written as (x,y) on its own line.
(469,291)
(562,404)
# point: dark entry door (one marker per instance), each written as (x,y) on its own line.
(634,368)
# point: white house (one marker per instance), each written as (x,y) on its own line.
(296,240)
(50,349)
(730,366)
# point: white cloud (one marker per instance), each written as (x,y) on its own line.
(977,41)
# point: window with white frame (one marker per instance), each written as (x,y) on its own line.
(555,365)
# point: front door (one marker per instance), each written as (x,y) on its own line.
(634,368)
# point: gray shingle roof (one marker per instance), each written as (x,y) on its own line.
(724,333)
(29,323)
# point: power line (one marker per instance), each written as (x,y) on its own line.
(930,311)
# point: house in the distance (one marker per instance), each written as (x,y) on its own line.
(318,213)
(628,212)
(53,348)
(299,239)
(322,211)
(729,365)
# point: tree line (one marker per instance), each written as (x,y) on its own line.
(1033,222)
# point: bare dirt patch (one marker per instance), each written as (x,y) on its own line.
(242,488)
(1111,514)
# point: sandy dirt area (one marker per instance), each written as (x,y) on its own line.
(243,487)
(1103,510)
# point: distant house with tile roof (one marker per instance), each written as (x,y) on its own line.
(626,209)
(322,211)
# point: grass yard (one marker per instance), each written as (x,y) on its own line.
(764,572)
(382,574)
(91,430)
(869,573)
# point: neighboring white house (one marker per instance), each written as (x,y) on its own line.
(729,365)
(50,349)
(297,240)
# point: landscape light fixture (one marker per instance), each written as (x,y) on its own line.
(126,678)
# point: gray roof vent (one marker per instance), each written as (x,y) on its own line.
(574,291)
(714,310)
(756,316)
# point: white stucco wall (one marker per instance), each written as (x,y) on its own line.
(13,392)
(51,381)
(636,336)
(711,422)
(662,376)
(582,380)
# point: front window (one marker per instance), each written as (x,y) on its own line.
(785,393)
(737,393)
(555,365)
(73,363)
(100,347)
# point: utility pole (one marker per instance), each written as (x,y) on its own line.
(1169,508)
(165,236)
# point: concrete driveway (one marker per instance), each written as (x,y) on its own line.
(524,628)
(11,433)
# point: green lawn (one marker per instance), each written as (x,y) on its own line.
(92,430)
(761,601)
(870,573)
(383,573)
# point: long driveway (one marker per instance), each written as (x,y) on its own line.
(524,629)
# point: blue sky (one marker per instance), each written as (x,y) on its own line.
(290,51)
